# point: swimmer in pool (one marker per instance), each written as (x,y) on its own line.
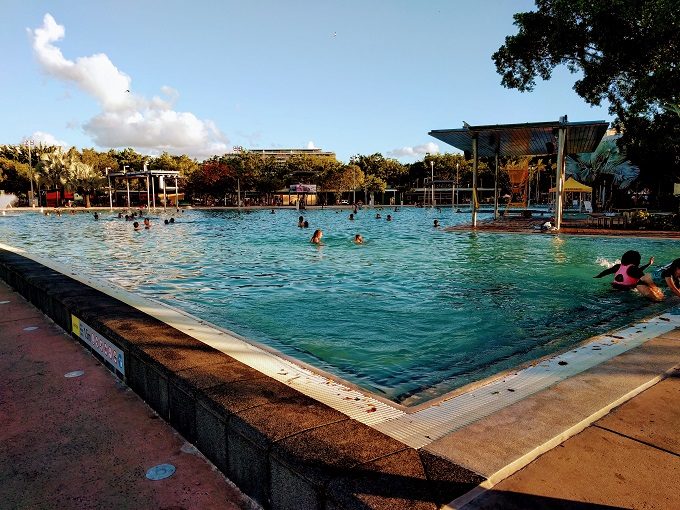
(436,224)
(135,225)
(670,275)
(629,275)
(301,222)
(316,238)
(358,239)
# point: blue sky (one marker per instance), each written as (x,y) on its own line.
(353,77)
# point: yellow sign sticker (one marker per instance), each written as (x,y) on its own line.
(75,325)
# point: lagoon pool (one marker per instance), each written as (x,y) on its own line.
(413,313)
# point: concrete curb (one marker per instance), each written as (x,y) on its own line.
(282,448)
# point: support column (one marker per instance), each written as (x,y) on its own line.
(127,182)
(559,187)
(495,191)
(176,194)
(148,195)
(474,203)
(153,193)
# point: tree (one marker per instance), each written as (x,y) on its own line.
(99,161)
(51,169)
(627,50)
(83,178)
(385,169)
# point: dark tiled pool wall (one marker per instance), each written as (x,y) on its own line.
(282,448)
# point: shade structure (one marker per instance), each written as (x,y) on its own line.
(529,139)
(571,185)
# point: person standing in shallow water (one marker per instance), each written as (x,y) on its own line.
(301,222)
(316,238)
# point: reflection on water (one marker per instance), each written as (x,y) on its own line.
(413,311)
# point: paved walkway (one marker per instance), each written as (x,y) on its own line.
(628,459)
(86,442)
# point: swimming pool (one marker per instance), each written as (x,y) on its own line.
(411,314)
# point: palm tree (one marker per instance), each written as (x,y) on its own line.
(81,176)
(606,161)
(606,166)
(51,168)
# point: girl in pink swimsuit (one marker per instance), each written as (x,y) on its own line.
(629,275)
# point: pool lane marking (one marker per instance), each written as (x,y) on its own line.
(416,429)
(529,457)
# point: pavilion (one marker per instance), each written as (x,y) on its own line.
(530,139)
(151,177)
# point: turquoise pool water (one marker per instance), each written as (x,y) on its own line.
(411,314)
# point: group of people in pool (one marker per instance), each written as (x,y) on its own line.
(630,275)
(318,233)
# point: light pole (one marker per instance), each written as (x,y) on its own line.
(110,196)
(28,143)
(432,170)
(354,191)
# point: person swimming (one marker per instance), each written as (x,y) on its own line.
(147,223)
(629,275)
(389,217)
(358,239)
(135,225)
(670,275)
(305,224)
(436,224)
(301,221)
(351,216)
(316,238)
(377,216)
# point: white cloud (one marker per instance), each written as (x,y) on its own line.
(127,119)
(310,145)
(416,151)
(42,138)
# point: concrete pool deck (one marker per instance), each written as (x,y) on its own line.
(288,451)
(86,441)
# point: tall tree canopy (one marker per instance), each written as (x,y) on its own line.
(627,50)
(628,53)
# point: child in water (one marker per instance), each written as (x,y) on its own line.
(316,238)
(670,274)
(629,275)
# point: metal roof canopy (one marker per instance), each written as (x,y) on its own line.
(530,139)
(144,173)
